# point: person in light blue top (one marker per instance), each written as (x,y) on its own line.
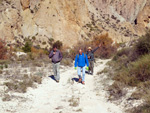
(81,60)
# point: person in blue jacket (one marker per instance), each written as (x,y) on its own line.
(81,60)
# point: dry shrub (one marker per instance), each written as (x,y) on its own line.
(37,53)
(70,53)
(3,50)
(67,61)
(37,64)
(134,73)
(21,86)
(37,79)
(108,48)
(142,109)
(132,68)
(142,47)
(141,69)
(116,91)
(74,102)
(6,97)
(106,51)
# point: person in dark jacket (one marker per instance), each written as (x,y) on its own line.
(90,54)
(56,57)
(81,61)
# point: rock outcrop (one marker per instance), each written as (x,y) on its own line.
(25,4)
(72,21)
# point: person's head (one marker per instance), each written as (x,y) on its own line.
(89,49)
(80,51)
(54,47)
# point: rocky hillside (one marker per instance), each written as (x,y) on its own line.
(71,21)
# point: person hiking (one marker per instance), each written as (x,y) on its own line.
(90,54)
(56,57)
(80,61)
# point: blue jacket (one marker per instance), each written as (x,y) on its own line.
(81,60)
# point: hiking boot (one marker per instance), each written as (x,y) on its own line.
(80,80)
(83,82)
(57,81)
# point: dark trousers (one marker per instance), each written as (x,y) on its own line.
(91,66)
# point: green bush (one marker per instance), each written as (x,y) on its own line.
(130,53)
(33,38)
(44,43)
(124,51)
(51,41)
(27,47)
(142,47)
(131,67)
(135,73)
(141,68)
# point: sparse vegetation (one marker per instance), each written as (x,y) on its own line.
(142,109)
(3,50)
(44,43)
(107,50)
(131,68)
(51,40)
(74,102)
(6,97)
(27,47)
(33,38)
(79,110)
(105,70)
(67,62)
(22,85)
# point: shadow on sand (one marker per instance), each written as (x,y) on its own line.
(86,72)
(75,79)
(52,77)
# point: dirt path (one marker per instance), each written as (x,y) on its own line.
(68,96)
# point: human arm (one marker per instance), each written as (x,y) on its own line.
(51,54)
(60,56)
(96,48)
(76,61)
(87,62)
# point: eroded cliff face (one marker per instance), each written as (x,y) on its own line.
(71,21)
(127,9)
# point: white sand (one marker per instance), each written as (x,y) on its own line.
(52,97)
